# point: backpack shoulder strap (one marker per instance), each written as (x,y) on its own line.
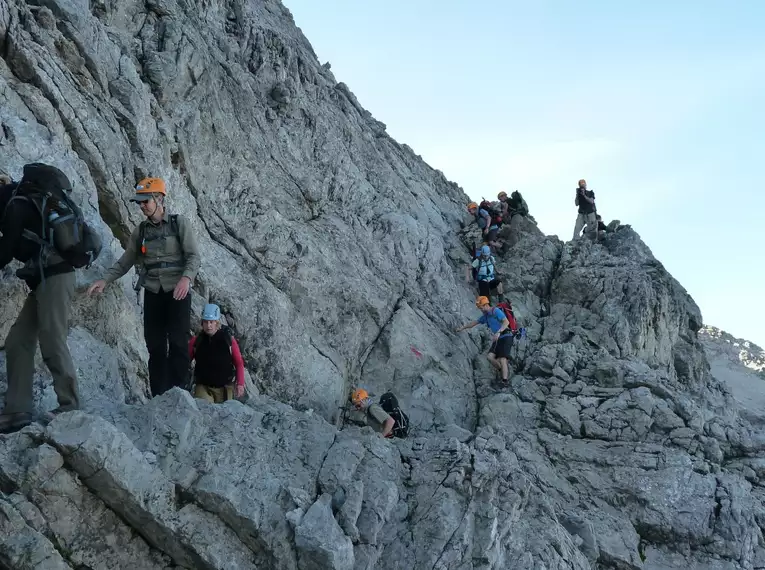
(141,235)
(229,334)
(196,342)
(174,227)
(38,200)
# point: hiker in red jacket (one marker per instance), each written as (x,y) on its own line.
(219,367)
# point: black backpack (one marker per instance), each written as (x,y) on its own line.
(63,227)
(389,403)
(519,204)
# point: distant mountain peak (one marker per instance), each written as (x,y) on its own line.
(737,350)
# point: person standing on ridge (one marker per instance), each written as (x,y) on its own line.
(485,274)
(165,252)
(585,200)
(502,335)
(219,367)
(44,318)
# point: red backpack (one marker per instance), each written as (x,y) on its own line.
(496,214)
(507,308)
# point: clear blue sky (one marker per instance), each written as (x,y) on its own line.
(659,105)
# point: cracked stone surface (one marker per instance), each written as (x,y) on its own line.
(338,258)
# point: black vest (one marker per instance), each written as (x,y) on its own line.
(584,206)
(214,362)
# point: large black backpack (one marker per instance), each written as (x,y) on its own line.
(63,228)
(389,403)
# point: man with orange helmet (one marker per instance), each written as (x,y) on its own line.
(164,250)
(502,335)
(366,412)
(486,222)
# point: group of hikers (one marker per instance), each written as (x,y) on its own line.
(490,217)
(45,230)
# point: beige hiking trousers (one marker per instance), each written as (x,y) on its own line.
(592,225)
(214,395)
(44,318)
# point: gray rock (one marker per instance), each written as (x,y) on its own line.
(351,509)
(562,415)
(23,547)
(320,542)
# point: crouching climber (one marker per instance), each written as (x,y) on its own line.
(502,334)
(218,363)
(366,413)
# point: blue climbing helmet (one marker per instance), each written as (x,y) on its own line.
(211,312)
(486,250)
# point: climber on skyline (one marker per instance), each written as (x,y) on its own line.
(515,205)
(585,200)
(502,335)
(164,250)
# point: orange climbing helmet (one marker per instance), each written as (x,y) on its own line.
(147,187)
(359,395)
(472,206)
(582,181)
(481,301)
(503,193)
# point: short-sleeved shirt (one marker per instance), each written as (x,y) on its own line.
(374,416)
(494,320)
(485,268)
(483,218)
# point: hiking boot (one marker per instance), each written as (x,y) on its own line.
(14,422)
(50,416)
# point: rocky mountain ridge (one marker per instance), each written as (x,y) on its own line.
(738,351)
(338,257)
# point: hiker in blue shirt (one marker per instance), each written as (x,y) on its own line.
(502,338)
(489,226)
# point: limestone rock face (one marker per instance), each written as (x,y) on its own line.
(338,257)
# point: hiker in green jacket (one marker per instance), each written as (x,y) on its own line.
(164,250)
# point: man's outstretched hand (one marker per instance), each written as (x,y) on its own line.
(97,287)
